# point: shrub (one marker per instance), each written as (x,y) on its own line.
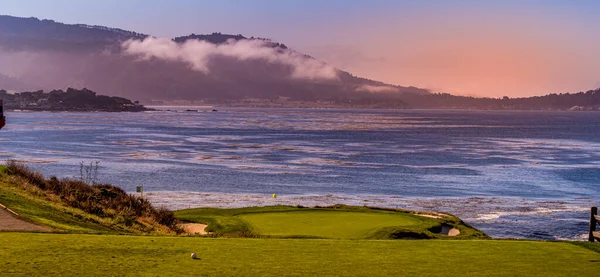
(103,200)
(33,177)
(165,217)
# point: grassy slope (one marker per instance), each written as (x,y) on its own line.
(333,222)
(47,212)
(38,208)
(30,254)
(589,245)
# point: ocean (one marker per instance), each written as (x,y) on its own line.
(512,174)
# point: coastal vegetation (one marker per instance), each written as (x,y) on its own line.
(579,101)
(74,206)
(83,100)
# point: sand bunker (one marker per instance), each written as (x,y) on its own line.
(449,231)
(194,228)
(431,215)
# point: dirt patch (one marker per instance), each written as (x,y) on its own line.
(9,222)
(194,228)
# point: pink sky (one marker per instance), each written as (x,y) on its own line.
(468,47)
(499,54)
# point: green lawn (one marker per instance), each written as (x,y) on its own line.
(37,254)
(326,224)
(49,212)
(338,222)
(37,207)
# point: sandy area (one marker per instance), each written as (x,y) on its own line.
(9,222)
(449,231)
(194,228)
(453,232)
(437,215)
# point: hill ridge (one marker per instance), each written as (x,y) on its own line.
(49,55)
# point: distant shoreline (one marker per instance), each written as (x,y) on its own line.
(77,111)
(190,108)
(73,100)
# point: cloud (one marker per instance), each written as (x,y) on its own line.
(198,53)
(376,89)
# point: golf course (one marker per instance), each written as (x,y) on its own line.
(50,227)
(334,222)
(35,254)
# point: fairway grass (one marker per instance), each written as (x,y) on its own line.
(37,254)
(326,224)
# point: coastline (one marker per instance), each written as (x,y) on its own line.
(499,217)
(286,154)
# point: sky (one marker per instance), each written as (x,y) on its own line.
(467,47)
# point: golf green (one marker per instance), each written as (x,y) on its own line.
(333,222)
(326,224)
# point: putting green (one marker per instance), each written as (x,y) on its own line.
(337,222)
(326,224)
